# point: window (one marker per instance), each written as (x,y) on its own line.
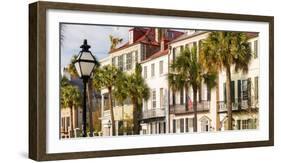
(153,99)
(182,125)
(178,125)
(255,48)
(120,62)
(204,125)
(181,96)
(67,122)
(152,70)
(186,125)
(143,52)
(190,124)
(161,97)
(245,124)
(145,105)
(257,88)
(232,91)
(129,61)
(145,72)
(244,90)
(161,67)
(144,132)
(161,128)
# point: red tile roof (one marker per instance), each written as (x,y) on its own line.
(156,55)
(145,36)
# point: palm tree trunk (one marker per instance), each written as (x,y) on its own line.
(71,121)
(200,92)
(90,105)
(186,98)
(135,117)
(195,108)
(218,126)
(111,111)
(228,98)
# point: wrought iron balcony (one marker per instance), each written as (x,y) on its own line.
(202,106)
(240,104)
(153,113)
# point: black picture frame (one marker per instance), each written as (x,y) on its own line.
(37,79)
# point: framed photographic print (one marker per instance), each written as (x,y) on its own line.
(112,81)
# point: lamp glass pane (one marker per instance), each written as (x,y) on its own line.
(77,67)
(87,56)
(86,68)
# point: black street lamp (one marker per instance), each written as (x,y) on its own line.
(109,126)
(85,64)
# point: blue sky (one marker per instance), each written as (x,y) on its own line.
(97,36)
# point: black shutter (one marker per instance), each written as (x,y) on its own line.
(208,93)
(181,125)
(174,126)
(239,93)
(174,98)
(181,96)
(249,87)
(164,127)
(233,91)
(239,124)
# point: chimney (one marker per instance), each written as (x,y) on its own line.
(164,44)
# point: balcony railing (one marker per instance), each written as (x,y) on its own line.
(153,113)
(202,106)
(240,104)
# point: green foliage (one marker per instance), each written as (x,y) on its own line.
(70,96)
(223,49)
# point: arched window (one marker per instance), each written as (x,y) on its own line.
(205,124)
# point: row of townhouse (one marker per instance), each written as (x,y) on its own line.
(165,111)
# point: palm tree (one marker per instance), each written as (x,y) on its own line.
(106,77)
(114,41)
(120,92)
(72,71)
(188,71)
(224,50)
(138,90)
(70,98)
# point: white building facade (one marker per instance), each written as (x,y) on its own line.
(245,93)
(155,109)
(181,112)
